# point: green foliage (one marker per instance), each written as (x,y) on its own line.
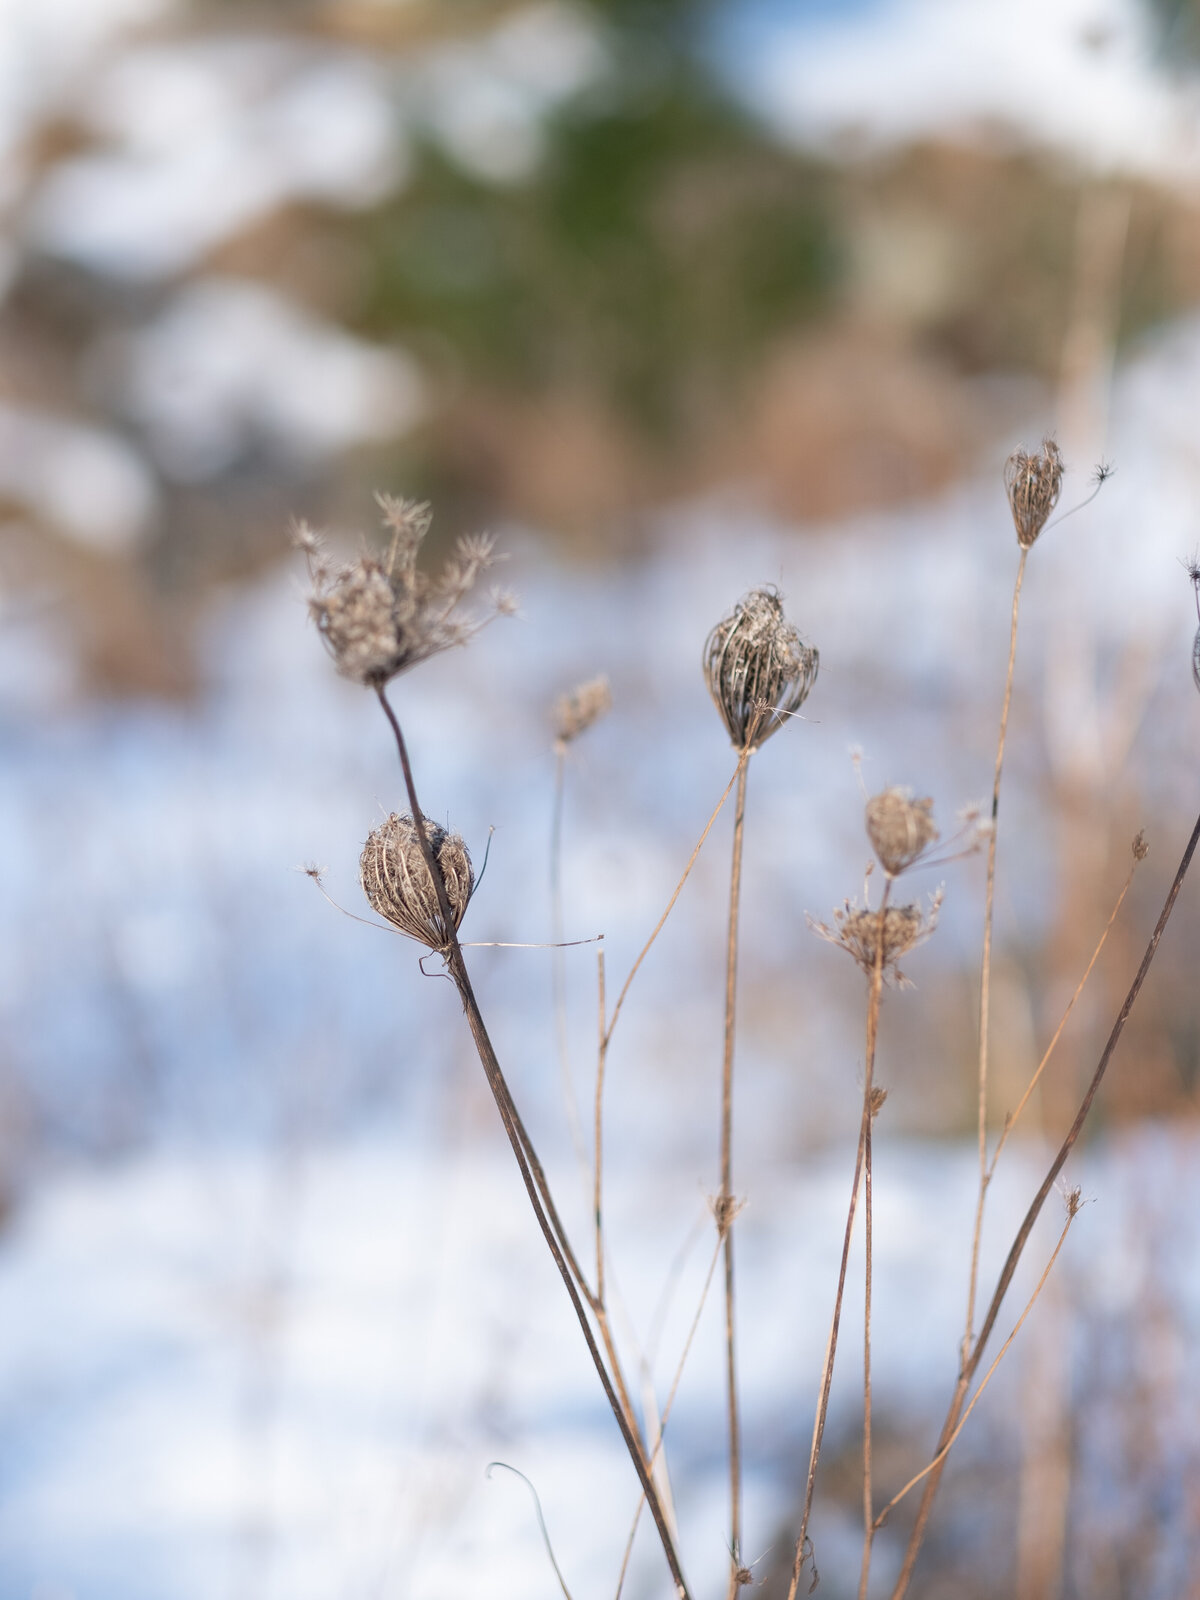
(659,244)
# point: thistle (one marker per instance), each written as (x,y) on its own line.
(1033,483)
(398,883)
(758,669)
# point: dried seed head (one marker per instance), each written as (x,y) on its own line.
(1140,848)
(397,882)
(575,712)
(381,616)
(900,828)
(1033,483)
(757,667)
(858,931)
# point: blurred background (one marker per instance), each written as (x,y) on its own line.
(677,298)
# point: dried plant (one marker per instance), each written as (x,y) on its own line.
(399,886)
(758,668)
(883,936)
(574,713)
(380,615)
(1034,483)
(900,829)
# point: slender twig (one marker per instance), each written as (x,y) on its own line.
(558,968)
(868,1118)
(1072,1213)
(1031,1216)
(537,1506)
(725,1201)
(666,1411)
(985,981)
(835,1323)
(528,1164)
(660,924)
(1010,1121)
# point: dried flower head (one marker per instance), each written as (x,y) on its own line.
(399,885)
(900,828)
(1034,483)
(757,667)
(858,931)
(381,615)
(1140,848)
(575,712)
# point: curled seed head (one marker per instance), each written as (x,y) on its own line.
(900,828)
(757,667)
(399,885)
(859,931)
(575,712)
(1034,483)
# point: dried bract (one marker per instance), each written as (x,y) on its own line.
(1034,483)
(757,667)
(575,712)
(399,885)
(900,828)
(858,930)
(381,615)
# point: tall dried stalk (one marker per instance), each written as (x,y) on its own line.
(985,978)
(528,1163)
(725,1200)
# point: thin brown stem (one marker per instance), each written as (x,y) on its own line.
(666,1411)
(1011,1121)
(984,1381)
(725,1202)
(985,980)
(1014,1255)
(868,1119)
(827,1366)
(661,923)
(528,1164)
(558,968)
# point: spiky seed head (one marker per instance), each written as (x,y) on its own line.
(861,932)
(757,667)
(380,616)
(399,886)
(900,828)
(575,712)
(1033,482)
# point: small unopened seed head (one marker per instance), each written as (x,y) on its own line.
(398,883)
(757,667)
(900,828)
(1140,848)
(575,712)
(1196,659)
(1033,482)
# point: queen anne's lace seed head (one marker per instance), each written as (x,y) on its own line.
(398,883)
(380,616)
(900,829)
(1034,483)
(757,668)
(860,932)
(575,712)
